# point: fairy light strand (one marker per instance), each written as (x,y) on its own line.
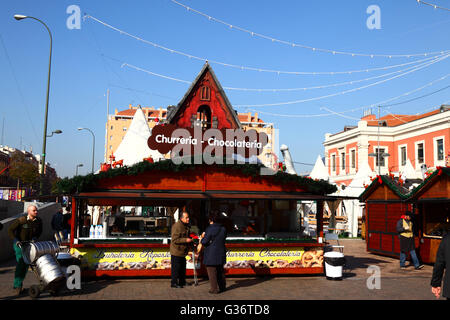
(356,108)
(125,64)
(342,92)
(293,44)
(242,67)
(432,5)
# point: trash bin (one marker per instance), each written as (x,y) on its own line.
(334,262)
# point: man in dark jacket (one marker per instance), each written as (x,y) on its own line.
(406,235)
(442,262)
(25,228)
(213,240)
(179,248)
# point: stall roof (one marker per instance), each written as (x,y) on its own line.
(429,182)
(165,176)
(400,189)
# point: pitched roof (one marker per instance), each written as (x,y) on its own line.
(401,190)
(429,181)
(206,68)
(393,120)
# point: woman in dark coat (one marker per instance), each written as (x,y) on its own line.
(214,258)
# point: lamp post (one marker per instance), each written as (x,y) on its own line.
(56,131)
(44,144)
(93,145)
(76,170)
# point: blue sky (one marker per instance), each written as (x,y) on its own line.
(88,61)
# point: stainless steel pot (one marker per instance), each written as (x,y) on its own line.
(33,250)
(49,270)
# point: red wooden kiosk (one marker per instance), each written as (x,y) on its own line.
(271,242)
(387,200)
(432,200)
(137,205)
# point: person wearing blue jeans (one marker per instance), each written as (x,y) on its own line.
(406,236)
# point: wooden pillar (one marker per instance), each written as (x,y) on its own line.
(73,221)
(319,218)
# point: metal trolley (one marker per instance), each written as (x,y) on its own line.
(41,256)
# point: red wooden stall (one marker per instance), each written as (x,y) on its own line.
(274,248)
(386,199)
(432,199)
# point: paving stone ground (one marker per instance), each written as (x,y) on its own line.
(395,284)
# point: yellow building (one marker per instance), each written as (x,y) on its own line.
(120,121)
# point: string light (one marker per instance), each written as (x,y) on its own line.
(292,44)
(343,92)
(356,108)
(432,5)
(277,89)
(246,67)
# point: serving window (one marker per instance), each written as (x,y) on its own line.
(152,219)
(436,219)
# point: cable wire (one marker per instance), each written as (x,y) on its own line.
(293,44)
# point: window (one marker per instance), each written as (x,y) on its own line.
(333,163)
(380,159)
(403,156)
(204,116)
(440,149)
(124,128)
(353,158)
(205,93)
(112,127)
(343,161)
(420,153)
(110,137)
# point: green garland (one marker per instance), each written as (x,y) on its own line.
(85,183)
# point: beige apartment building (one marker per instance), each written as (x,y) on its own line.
(118,124)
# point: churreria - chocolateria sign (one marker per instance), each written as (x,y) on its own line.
(207,146)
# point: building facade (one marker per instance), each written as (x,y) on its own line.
(422,141)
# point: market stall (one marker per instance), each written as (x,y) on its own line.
(136,207)
(432,199)
(385,202)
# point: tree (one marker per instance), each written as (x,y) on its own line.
(24,170)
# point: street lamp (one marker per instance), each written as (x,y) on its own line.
(56,131)
(76,170)
(93,146)
(44,144)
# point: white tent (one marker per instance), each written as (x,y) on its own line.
(354,189)
(408,172)
(319,171)
(134,148)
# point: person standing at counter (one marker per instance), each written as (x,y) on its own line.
(405,230)
(214,258)
(25,228)
(179,248)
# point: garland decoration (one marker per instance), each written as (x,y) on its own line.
(85,183)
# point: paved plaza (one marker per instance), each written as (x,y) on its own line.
(358,284)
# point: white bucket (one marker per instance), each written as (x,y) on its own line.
(334,262)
